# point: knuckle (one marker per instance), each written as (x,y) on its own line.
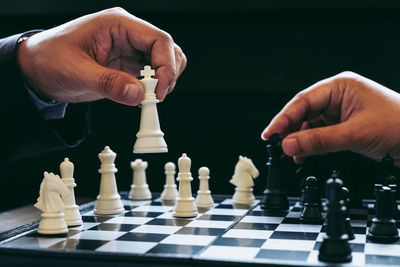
(114,10)
(317,142)
(107,81)
(165,37)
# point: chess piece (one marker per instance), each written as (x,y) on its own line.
(150,138)
(170,192)
(139,188)
(335,246)
(388,170)
(204,198)
(274,198)
(108,200)
(302,173)
(72,215)
(51,205)
(184,203)
(245,172)
(393,188)
(347,223)
(311,212)
(383,227)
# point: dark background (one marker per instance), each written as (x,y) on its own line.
(246,59)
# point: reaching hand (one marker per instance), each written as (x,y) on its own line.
(98,56)
(344,112)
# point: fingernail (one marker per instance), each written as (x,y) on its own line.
(262,136)
(291,146)
(132,92)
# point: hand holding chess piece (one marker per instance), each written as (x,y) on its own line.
(150,138)
(335,114)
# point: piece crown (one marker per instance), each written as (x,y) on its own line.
(204,171)
(107,156)
(169,167)
(147,72)
(184,163)
(139,164)
(67,168)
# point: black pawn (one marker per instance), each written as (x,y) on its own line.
(273,197)
(311,212)
(383,228)
(335,246)
(388,170)
(302,173)
(347,224)
(393,188)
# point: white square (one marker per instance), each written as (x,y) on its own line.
(129,220)
(129,202)
(33,242)
(262,219)
(154,208)
(359,239)
(84,226)
(287,244)
(127,246)
(229,253)
(156,229)
(293,214)
(210,224)
(358,223)
(232,212)
(98,235)
(382,249)
(253,234)
(308,228)
(193,240)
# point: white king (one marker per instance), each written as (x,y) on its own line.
(150,138)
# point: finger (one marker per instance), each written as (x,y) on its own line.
(116,85)
(320,140)
(324,96)
(180,63)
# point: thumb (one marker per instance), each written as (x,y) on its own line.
(116,85)
(319,140)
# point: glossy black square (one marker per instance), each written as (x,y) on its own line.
(200,231)
(114,227)
(175,249)
(224,206)
(256,226)
(239,242)
(355,247)
(169,222)
(144,237)
(215,217)
(37,235)
(268,213)
(291,221)
(142,214)
(96,219)
(286,255)
(358,216)
(74,244)
(359,230)
(296,209)
(130,207)
(380,260)
(294,235)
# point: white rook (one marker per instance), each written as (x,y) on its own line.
(139,188)
(184,203)
(72,215)
(108,200)
(150,138)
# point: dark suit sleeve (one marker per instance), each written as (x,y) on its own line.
(24,132)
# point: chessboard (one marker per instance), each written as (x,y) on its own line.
(148,234)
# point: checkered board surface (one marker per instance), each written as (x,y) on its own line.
(222,234)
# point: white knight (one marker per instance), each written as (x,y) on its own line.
(245,172)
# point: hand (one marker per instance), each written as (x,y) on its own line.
(98,56)
(344,112)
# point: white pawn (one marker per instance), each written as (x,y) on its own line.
(245,172)
(204,198)
(108,200)
(170,192)
(150,138)
(72,215)
(184,204)
(139,188)
(52,206)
